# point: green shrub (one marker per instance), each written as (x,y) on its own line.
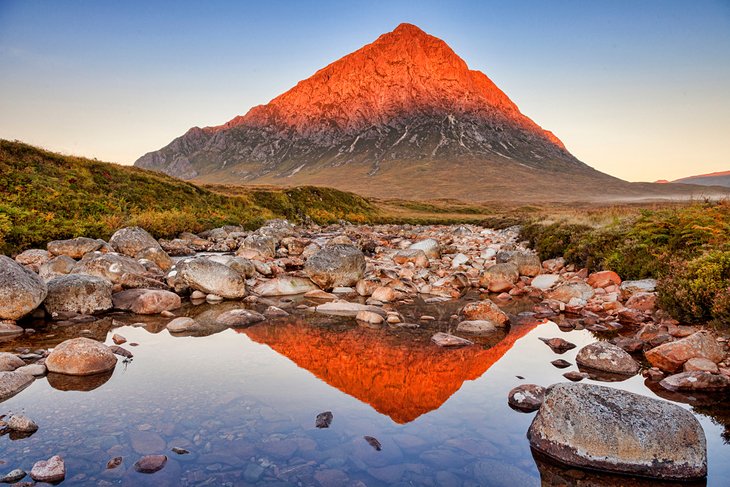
(698,290)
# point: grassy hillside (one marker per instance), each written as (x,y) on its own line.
(46,196)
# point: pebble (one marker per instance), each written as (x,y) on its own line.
(51,470)
(150,463)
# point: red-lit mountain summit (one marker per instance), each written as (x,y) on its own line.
(386,118)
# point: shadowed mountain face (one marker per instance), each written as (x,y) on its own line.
(401,378)
(405,106)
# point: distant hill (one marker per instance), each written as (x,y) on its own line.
(721,178)
(46,196)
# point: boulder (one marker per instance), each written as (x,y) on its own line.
(157,256)
(369,317)
(9,330)
(10,361)
(80,356)
(450,341)
(670,356)
(430,247)
(603,279)
(701,364)
(544,282)
(182,324)
(570,290)
(12,383)
(384,294)
(485,310)
(526,397)
(22,424)
(21,290)
(629,288)
(111,267)
(130,241)
(75,248)
(601,428)
(239,318)
(696,380)
(146,301)
(51,471)
(417,256)
(477,327)
(33,258)
(336,266)
(211,278)
(150,463)
(343,308)
(285,286)
(642,301)
(499,277)
(58,266)
(528,263)
(239,264)
(608,358)
(263,244)
(78,293)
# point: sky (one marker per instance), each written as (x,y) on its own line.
(636,89)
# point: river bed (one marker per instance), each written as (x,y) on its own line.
(243,402)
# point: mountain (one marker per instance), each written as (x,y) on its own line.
(403,117)
(721,178)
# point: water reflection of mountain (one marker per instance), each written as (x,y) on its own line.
(402,377)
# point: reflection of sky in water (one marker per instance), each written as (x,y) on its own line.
(247,412)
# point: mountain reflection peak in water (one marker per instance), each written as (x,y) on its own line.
(400,376)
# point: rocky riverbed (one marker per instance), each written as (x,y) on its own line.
(398,326)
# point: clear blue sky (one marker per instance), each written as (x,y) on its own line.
(638,89)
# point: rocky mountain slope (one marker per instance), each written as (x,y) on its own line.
(403,116)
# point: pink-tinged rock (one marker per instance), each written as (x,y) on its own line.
(695,380)
(417,256)
(702,365)
(384,294)
(570,290)
(671,356)
(604,279)
(146,301)
(632,316)
(75,247)
(33,258)
(558,345)
(499,277)
(51,470)
(80,356)
(485,310)
(642,301)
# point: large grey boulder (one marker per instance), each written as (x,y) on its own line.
(21,290)
(131,241)
(336,266)
(211,278)
(75,247)
(78,293)
(601,428)
(608,358)
(109,266)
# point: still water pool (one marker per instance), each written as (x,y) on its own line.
(244,403)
